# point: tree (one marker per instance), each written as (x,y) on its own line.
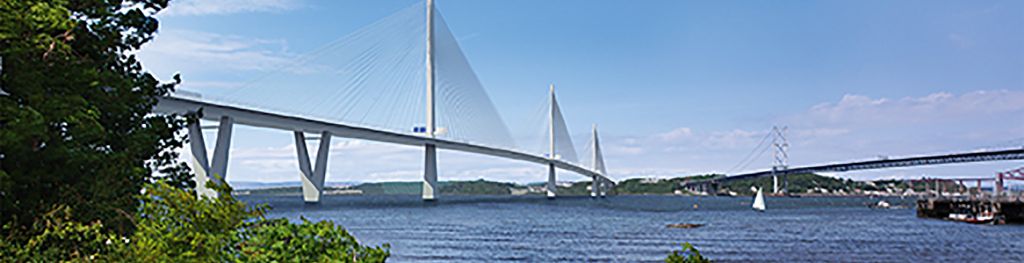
(176,225)
(79,148)
(76,129)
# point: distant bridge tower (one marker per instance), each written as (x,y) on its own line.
(779,163)
(597,184)
(552,154)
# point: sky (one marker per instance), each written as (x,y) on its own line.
(676,87)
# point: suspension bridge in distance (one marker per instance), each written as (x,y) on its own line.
(967,157)
(781,169)
(382,67)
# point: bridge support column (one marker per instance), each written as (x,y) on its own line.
(551,187)
(603,186)
(430,173)
(593,186)
(999,185)
(313,178)
(775,184)
(201,165)
(219,166)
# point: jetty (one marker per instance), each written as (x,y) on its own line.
(969,205)
(1006,209)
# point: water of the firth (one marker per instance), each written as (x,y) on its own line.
(632,228)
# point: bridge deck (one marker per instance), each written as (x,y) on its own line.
(212,111)
(979,156)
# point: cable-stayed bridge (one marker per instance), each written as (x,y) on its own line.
(401,80)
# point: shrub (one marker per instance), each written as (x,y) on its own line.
(280,240)
(174,225)
(689,254)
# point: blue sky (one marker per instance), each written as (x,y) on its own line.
(677,87)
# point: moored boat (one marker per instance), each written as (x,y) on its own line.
(983,218)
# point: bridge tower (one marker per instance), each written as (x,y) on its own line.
(598,187)
(430,150)
(781,158)
(551,187)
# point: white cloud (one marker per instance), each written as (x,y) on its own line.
(202,51)
(222,7)
(676,134)
(936,107)
(819,132)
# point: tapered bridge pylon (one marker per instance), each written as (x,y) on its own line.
(430,150)
(598,184)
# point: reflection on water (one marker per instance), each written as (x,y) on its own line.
(632,228)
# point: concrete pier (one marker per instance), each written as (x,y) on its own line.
(1008,209)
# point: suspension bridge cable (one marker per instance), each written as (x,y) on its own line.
(746,160)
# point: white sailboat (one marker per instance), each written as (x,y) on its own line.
(759,201)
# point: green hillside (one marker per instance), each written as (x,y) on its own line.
(656,186)
(798,183)
(478,187)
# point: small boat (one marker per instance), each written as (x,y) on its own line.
(882,204)
(958,217)
(685,226)
(981,219)
(984,218)
(759,201)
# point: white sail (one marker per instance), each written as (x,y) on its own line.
(759,201)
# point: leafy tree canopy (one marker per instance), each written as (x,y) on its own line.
(175,225)
(75,126)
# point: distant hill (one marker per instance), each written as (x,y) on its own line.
(804,184)
(478,187)
(247,185)
(798,183)
(815,184)
(656,185)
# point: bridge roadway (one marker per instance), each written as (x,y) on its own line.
(212,111)
(977,156)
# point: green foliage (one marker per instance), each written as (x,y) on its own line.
(76,130)
(689,254)
(64,239)
(280,240)
(174,225)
